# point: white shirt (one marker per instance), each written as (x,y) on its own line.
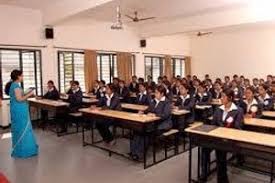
(141,95)
(108,103)
(225,113)
(157,101)
(254,102)
(184,98)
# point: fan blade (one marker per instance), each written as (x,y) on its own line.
(128,16)
(143,19)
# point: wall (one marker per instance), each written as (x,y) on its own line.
(248,50)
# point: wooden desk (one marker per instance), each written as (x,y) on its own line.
(89,101)
(89,95)
(269,114)
(203,107)
(45,103)
(136,107)
(216,102)
(125,119)
(258,145)
(260,125)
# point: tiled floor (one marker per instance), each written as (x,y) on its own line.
(64,160)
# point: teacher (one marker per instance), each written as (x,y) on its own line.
(23,140)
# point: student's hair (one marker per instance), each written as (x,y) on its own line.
(227,77)
(141,80)
(111,86)
(265,87)
(76,83)
(103,82)
(51,82)
(97,81)
(269,76)
(235,76)
(202,84)
(115,79)
(149,76)
(14,76)
(134,76)
(242,76)
(206,75)
(251,89)
(142,84)
(186,86)
(164,77)
(160,78)
(230,94)
(161,89)
(121,81)
(255,79)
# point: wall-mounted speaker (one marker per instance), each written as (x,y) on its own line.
(49,33)
(143,43)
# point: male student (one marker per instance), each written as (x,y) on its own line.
(51,94)
(150,83)
(116,85)
(264,98)
(96,88)
(143,98)
(123,92)
(175,89)
(133,87)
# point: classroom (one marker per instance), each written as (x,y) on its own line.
(141,91)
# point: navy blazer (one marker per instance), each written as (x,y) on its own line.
(123,94)
(75,100)
(267,103)
(189,105)
(236,115)
(114,105)
(175,91)
(216,95)
(151,84)
(144,100)
(95,91)
(52,95)
(205,99)
(238,94)
(133,88)
(258,105)
(162,110)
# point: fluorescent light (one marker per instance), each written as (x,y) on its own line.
(263,9)
(6,136)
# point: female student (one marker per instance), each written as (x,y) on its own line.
(109,101)
(238,91)
(102,89)
(229,116)
(250,105)
(217,91)
(187,102)
(23,140)
(143,98)
(264,98)
(160,107)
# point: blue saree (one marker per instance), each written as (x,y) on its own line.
(23,140)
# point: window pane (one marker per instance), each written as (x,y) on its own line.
(61,73)
(28,67)
(105,72)
(148,67)
(156,69)
(68,69)
(38,73)
(79,69)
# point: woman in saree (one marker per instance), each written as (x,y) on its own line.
(23,140)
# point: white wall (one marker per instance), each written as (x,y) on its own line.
(248,50)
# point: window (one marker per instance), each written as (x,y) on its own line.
(178,67)
(29,61)
(153,67)
(71,67)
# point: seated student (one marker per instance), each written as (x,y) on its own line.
(264,98)
(133,87)
(75,98)
(250,105)
(140,80)
(194,88)
(216,93)
(269,84)
(187,102)
(246,83)
(203,98)
(176,87)
(102,89)
(166,82)
(150,83)
(160,107)
(255,85)
(116,85)
(230,116)
(51,94)
(112,102)
(209,86)
(238,91)
(261,81)
(273,90)
(96,87)
(226,83)
(143,98)
(123,92)
(69,90)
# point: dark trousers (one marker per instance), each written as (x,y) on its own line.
(103,128)
(44,115)
(205,162)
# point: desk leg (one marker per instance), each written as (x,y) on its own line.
(190,161)
(271,173)
(199,163)
(144,147)
(83,134)
(92,131)
(154,142)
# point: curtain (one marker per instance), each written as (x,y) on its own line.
(124,66)
(168,67)
(187,62)
(90,69)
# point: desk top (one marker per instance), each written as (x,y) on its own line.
(237,135)
(259,122)
(137,107)
(89,100)
(53,103)
(269,114)
(216,102)
(89,95)
(203,107)
(122,115)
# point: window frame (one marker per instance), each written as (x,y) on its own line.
(182,60)
(21,50)
(161,70)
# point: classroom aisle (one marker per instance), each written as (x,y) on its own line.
(64,160)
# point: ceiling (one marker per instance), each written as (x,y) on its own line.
(33,4)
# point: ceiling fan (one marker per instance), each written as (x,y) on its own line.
(199,34)
(135,18)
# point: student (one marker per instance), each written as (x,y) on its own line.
(51,94)
(187,102)
(143,98)
(133,87)
(123,92)
(160,107)
(255,84)
(261,81)
(175,88)
(75,98)
(69,90)
(268,80)
(150,83)
(238,91)
(226,84)
(194,88)
(166,81)
(246,83)
(116,85)
(209,86)
(250,105)
(229,116)
(140,80)
(203,98)
(102,89)
(112,102)
(96,88)
(273,90)
(264,98)
(217,91)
